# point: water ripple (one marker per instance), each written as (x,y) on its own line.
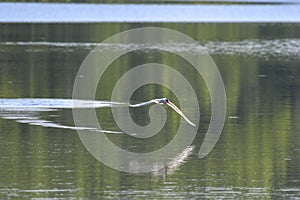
(289,47)
(27,111)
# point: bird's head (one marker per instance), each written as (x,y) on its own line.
(164,101)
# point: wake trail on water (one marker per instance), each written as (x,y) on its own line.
(28,111)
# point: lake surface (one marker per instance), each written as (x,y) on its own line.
(256,157)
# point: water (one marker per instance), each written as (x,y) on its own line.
(257,156)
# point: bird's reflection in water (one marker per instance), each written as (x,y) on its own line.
(161,169)
(175,163)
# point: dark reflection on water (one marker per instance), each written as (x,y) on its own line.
(257,155)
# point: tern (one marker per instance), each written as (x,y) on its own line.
(161,102)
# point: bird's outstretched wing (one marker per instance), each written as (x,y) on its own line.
(179,112)
(169,103)
(143,103)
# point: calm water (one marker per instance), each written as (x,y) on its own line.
(257,156)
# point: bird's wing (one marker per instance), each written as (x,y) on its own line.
(142,104)
(169,104)
(180,113)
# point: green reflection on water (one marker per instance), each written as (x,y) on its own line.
(259,146)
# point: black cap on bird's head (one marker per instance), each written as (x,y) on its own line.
(164,100)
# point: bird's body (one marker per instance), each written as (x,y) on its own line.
(163,101)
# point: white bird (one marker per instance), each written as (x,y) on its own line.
(164,101)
